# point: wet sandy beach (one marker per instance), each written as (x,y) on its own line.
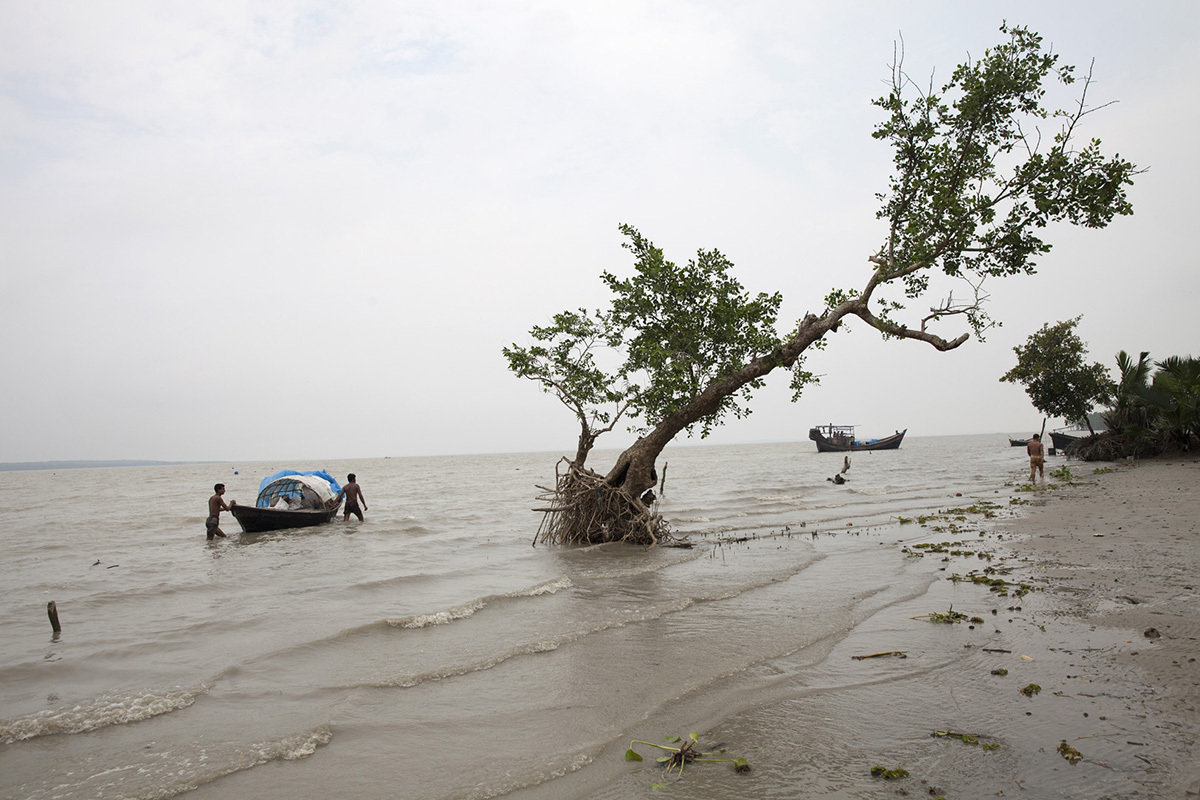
(1084,686)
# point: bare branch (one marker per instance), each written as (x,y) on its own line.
(902,332)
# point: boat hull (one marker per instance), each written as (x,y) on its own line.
(1062,441)
(257,520)
(1018,442)
(827,445)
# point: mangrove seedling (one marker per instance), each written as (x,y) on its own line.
(1030,690)
(685,753)
(889,774)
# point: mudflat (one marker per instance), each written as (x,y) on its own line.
(1120,551)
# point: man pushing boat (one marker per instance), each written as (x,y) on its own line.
(212,525)
(353,495)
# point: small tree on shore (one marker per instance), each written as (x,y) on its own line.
(974,186)
(1051,366)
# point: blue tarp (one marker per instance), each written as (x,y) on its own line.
(283,473)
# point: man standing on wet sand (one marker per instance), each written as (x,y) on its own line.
(354,496)
(1037,457)
(216,505)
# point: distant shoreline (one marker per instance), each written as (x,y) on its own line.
(22,466)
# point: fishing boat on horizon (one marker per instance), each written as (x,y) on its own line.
(840,439)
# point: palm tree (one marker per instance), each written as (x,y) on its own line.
(1130,414)
(1175,394)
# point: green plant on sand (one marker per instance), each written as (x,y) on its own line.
(685,753)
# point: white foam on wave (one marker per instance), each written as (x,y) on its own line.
(549,587)
(438,617)
(102,711)
(302,745)
(468,609)
(183,772)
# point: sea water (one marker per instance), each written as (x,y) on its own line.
(432,651)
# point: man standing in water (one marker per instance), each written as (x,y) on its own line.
(354,496)
(212,525)
(1037,457)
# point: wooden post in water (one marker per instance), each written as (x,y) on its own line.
(52,612)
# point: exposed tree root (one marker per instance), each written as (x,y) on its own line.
(584,509)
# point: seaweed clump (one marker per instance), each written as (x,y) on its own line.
(687,752)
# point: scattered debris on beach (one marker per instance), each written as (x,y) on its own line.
(884,654)
(946,617)
(685,753)
(973,739)
(1069,753)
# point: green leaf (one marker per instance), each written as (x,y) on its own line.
(630,755)
(695,736)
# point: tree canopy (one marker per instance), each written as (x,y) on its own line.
(686,327)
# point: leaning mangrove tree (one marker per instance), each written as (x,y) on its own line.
(976,181)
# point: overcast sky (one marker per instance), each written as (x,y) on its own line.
(269,230)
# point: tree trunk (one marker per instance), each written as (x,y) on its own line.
(634,466)
(633,473)
(587,440)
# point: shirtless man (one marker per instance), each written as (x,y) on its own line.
(1037,457)
(216,505)
(354,496)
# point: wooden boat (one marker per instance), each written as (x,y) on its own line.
(840,439)
(256,520)
(290,499)
(1062,439)
(1018,442)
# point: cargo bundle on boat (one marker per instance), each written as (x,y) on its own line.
(840,438)
(290,499)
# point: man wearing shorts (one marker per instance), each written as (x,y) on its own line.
(1037,457)
(354,496)
(212,525)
